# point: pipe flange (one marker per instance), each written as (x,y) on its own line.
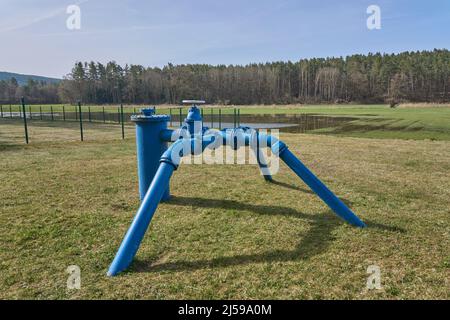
(149,115)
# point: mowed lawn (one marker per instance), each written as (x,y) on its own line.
(409,121)
(226,233)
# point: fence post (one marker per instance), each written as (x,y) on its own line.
(121,120)
(301,122)
(81,120)
(239,117)
(29,112)
(118,115)
(64,113)
(40,112)
(170,113)
(201,112)
(89,114)
(24,120)
(10,111)
(1,109)
(51,111)
(104,118)
(181,117)
(212,118)
(234,117)
(220,119)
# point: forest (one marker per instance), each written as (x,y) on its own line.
(374,78)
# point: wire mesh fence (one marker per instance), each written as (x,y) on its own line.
(78,122)
(86,118)
(66,113)
(61,122)
(102,114)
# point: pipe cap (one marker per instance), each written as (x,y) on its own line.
(149,115)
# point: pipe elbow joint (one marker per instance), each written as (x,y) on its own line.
(184,147)
(167,159)
(166,135)
(170,157)
(278,147)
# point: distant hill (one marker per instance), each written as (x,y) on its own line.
(23,78)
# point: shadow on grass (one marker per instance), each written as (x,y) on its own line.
(6,146)
(316,241)
(290,186)
(374,125)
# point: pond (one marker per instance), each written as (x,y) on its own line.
(296,123)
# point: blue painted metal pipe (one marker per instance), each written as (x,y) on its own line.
(194,120)
(319,188)
(279,148)
(261,161)
(167,135)
(262,165)
(141,221)
(156,164)
(229,138)
(135,234)
(150,147)
(183,147)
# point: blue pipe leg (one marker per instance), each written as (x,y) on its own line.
(149,147)
(141,221)
(320,189)
(262,165)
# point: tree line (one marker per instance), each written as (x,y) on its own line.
(35,91)
(374,78)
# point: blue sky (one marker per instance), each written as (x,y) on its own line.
(35,40)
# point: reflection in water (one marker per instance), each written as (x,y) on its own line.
(295,123)
(285,122)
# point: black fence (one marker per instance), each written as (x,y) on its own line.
(217,118)
(104,114)
(66,113)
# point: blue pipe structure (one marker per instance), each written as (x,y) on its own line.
(320,188)
(262,163)
(157,162)
(141,221)
(149,147)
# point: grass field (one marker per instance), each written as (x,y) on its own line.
(226,233)
(416,121)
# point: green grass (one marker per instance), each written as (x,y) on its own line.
(226,233)
(371,121)
(374,121)
(384,122)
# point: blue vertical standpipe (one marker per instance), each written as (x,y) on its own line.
(143,217)
(149,147)
(194,118)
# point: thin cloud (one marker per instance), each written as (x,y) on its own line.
(122,29)
(49,15)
